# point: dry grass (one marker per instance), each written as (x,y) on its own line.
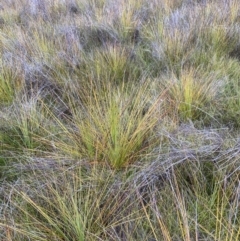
(119,120)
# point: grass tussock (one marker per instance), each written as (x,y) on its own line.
(119,120)
(116,126)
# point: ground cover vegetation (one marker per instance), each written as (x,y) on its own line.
(119,120)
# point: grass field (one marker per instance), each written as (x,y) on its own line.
(119,120)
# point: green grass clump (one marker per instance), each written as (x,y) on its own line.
(10,84)
(119,120)
(115,127)
(191,91)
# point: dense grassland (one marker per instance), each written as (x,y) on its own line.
(119,120)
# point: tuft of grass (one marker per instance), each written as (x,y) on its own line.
(115,126)
(10,84)
(115,63)
(30,126)
(90,207)
(191,91)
